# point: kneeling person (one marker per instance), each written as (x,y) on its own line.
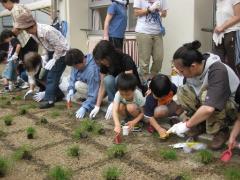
(128,102)
(85,73)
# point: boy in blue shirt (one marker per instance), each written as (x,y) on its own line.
(86,73)
(116,22)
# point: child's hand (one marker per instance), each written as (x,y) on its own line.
(117,129)
(131,124)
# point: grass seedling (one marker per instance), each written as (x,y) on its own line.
(79,133)
(17,98)
(232,173)
(73,151)
(4,166)
(87,125)
(23,111)
(8,120)
(2,133)
(54,114)
(112,173)
(168,154)
(117,151)
(31,132)
(5,103)
(184,176)
(205,156)
(22,153)
(59,173)
(43,120)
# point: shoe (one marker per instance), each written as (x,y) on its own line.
(46,105)
(59,97)
(219,139)
(24,85)
(194,132)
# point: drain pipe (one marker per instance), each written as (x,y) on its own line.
(54,4)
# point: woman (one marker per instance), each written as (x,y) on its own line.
(226,32)
(207,95)
(112,62)
(116,22)
(149,34)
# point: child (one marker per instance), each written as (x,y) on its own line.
(33,65)
(116,22)
(14,47)
(159,103)
(128,101)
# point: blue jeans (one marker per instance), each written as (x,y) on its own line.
(53,78)
(10,71)
(110,86)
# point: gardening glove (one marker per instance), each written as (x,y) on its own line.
(179,129)
(156,5)
(10,59)
(39,96)
(94,112)
(80,113)
(44,60)
(217,38)
(50,64)
(28,93)
(14,57)
(109,112)
(70,95)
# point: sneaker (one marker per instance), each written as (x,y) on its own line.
(25,85)
(46,105)
(219,139)
(137,128)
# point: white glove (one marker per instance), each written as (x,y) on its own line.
(80,113)
(50,64)
(94,112)
(10,59)
(39,96)
(70,95)
(14,57)
(156,5)
(217,38)
(28,93)
(109,112)
(44,60)
(179,129)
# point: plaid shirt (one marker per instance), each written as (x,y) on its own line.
(18,9)
(51,40)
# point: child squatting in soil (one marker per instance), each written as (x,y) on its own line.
(10,59)
(128,102)
(159,103)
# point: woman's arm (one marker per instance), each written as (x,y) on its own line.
(117,124)
(106,26)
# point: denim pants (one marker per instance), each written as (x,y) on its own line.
(10,71)
(110,86)
(53,78)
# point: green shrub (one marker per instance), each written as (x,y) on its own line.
(79,133)
(8,120)
(205,156)
(117,151)
(22,153)
(30,132)
(111,173)
(87,125)
(168,154)
(232,173)
(59,173)
(43,120)
(23,111)
(4,166)
(73,151)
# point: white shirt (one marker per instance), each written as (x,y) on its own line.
(148,24)
(224,12)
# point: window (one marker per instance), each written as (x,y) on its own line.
(98,12)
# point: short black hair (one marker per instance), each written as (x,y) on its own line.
(126,81)
(32,60)
(13,1)
(73,57)
(5,34)
(189,54)
(160,85)
(3,56)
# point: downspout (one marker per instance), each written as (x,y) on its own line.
(54,8)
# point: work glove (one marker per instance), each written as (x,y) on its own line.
(70,95)
(179,129)
(28,94)
(50,64)
(14,57)
(217,38)
(80,113)
(155,6)
(94,112)
(39,96)
(109,112)
(44,60)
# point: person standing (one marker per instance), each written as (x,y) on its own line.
(149,34)
(116,22)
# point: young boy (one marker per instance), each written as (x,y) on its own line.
(33,65)
(14,47)
(128,101)
(159,103)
